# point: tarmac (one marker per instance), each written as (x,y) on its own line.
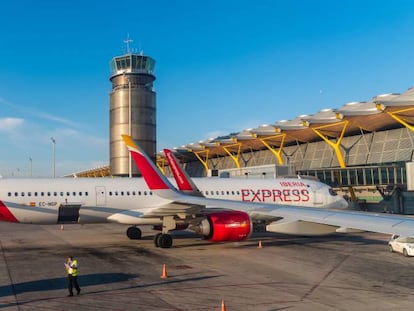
(336,272)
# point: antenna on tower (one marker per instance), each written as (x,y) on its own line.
(127,42)
(141,51)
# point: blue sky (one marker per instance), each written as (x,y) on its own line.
(221,66)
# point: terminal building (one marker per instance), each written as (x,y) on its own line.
(365,150)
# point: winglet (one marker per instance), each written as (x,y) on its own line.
(154,179)
(184,183)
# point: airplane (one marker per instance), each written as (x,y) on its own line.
(129,201)
(233,219)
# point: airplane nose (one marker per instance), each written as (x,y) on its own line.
(342,203)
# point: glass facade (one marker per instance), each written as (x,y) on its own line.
(360,176)
(132,63)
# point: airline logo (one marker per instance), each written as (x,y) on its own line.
(275,195)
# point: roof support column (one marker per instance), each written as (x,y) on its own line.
(337,144)
(204,162)
(278,153)
(161,164)
(235,158)
(394,115)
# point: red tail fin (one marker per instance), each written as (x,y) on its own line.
(154,179)
(5,214)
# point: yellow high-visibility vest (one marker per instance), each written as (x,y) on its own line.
(73,268)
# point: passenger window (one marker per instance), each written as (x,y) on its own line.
(133,192)
(139,192)
(122,193)
(110,193)
(42,194)
(16,194)
(29,194)
(9,194)
(35,194)
(55,194)
(48,194)
(61,194)
(127,193)
(22,194)
(86,193)
(74,193)
(145,193)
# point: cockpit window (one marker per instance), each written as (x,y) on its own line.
(332,192)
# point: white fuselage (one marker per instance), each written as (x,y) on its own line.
(128,200)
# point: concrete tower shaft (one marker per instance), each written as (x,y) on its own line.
(132,109)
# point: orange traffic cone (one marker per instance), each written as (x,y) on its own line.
(260,244)
(164,272)
(223,306)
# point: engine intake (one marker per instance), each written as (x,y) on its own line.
(225,226)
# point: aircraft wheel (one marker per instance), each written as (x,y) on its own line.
(391,249)
(157,238)
(166,241)
(134,233)
(405,252)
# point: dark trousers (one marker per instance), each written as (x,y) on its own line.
(73,282)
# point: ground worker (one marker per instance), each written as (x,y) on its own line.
(71,266)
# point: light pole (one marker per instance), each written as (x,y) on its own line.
(31,166)
(53,156)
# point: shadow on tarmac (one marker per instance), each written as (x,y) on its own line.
(61,283)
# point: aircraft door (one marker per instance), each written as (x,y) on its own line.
(68,213)
(318,198)
(100,195)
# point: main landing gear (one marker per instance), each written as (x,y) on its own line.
(163,240)
(134,233)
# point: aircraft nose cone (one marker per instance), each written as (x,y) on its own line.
(342,203)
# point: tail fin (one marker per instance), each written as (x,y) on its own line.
(184,181)
(152,176)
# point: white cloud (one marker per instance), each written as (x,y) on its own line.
(39,114)
(10,124)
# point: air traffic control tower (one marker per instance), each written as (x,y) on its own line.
(132,109)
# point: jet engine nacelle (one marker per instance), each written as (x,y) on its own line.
(225,226)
